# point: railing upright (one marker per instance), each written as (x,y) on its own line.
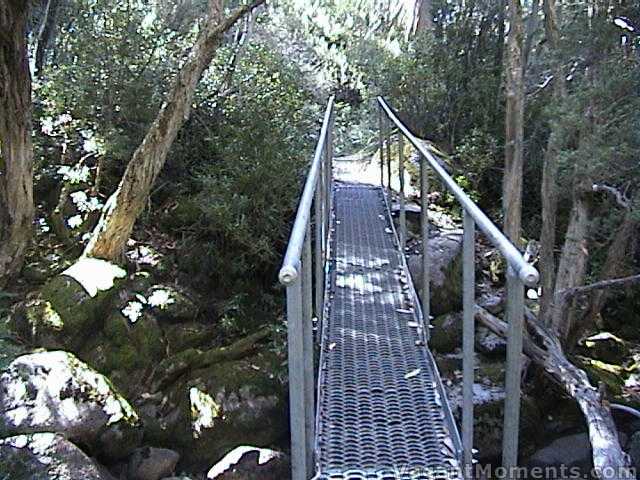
(403,213)
(425,300)
(297,274)
(468,334)
(381,144)
(519,273)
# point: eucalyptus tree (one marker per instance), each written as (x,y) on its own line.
(125,205)
(16,150)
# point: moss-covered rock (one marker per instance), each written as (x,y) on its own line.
(69,307)
(56,392)
(172,304)
(126,351)
(46,456)
(218,408)
(446,332)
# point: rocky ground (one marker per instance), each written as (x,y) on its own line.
(111,373)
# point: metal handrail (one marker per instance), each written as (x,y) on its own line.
(301,263)
(289,272)
(519,273)
(527,273)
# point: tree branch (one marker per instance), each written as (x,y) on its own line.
(615,282)
(621,198)
(608,455)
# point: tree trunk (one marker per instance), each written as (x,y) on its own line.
(423,21)
(123,207)
(45,33)
(609,459)
(512,180)
(16,148)
(532,27)
(614,263)
(549,189)
(573,263)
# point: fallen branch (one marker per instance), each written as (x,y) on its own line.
(621,197)
(194,358)
(608,457)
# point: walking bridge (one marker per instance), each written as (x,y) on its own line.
(366,398)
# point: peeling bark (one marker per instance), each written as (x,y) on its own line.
(16,148)
(122,209)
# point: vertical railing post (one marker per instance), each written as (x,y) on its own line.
(424,224)
(515,319)
(403,213)
(295,345)
(468,332)
(307,332)
(319,247)
(381,143)
(388,135)
(327,193)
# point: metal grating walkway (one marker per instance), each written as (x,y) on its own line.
(382,412)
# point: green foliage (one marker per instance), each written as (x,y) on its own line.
(246,173)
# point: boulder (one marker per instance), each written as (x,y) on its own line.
(152,463)
(572,451)
(126,351)
(46,456)
(171,303)
(446,333)
(70,306)
(445,262)
(249,463)
(634,450)
(56,392)
(212,410)
(605,347)
(489,344)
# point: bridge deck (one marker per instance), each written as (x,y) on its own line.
(381,411)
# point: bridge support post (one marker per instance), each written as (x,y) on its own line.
(320,248)
(424,224)
(295,341)
(388,138)
(515,319)
(381,143)
(468,333)
(403,213)
(308,349)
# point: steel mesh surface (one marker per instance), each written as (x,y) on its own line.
(380,413)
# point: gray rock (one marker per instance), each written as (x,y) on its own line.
(152,463)
(489,343)
(46,456)
(446,332)
(570,451)
(445,263)
(634,450)
(248,463)
(215,409)
(56,392)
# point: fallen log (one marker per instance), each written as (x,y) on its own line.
(194,358)
(609,460)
